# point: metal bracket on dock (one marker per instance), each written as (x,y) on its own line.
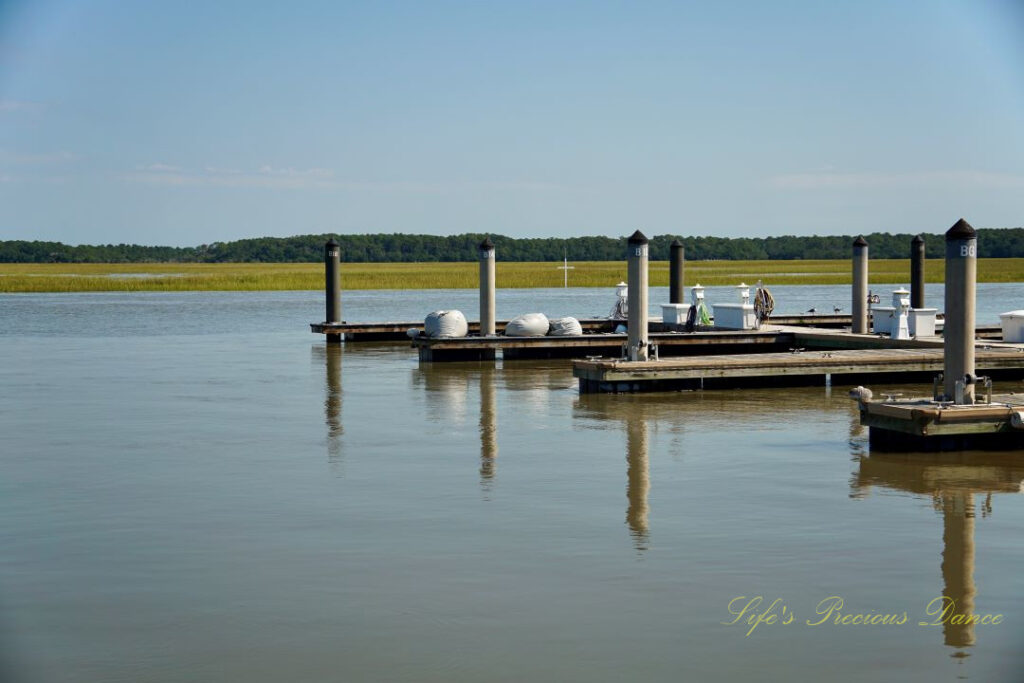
(984,381)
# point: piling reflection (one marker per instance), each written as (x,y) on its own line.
(958,561)
(488,426)
(331,356)
(638,481)
(448,390)
(952,480)
(636,413)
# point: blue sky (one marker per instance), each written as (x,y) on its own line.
(184,123)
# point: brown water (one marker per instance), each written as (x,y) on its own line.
(195,488)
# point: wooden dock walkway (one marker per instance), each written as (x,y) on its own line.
(785,369)
(771,338)
(396,331)
(608,344)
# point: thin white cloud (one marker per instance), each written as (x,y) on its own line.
(158,168)
(270,177)
(296,173)
(927,179)
(19,105)
(61,157)
(213,176)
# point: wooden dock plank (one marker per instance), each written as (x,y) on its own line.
(396,330)
(611,375)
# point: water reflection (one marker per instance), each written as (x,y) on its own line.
(488,426)
(330,355)
(447,386)
(636,413)
(448,391)
(638,481)
(952,480)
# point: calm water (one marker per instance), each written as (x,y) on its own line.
(195,488)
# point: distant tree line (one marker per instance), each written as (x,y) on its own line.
(992,243)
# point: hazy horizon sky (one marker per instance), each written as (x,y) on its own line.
(187,123)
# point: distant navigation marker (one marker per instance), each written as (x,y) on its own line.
(565,267)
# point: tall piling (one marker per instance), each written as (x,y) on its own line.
(860,287)
(332,287)
(917,272)
(958,334)
(636,262)
(487,288)
(676,270)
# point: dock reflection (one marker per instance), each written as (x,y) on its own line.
(446,389)
(952,480)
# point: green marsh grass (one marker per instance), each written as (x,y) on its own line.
(178,277)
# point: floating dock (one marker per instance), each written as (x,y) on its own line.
(582,346)
(924,425)
(771,338)
(396,331)
(784,369)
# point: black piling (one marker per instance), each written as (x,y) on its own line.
(676,269)
(917,272)
(332,272)
(860,286)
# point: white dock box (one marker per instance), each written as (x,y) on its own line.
(882,318)
(922,322)
(1013,326)
(735,316)
(674,314)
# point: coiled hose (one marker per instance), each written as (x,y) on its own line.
(764,304)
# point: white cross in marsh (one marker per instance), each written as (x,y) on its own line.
(565,267)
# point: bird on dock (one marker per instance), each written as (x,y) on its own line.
(861,395)
(812,310)
(837,309)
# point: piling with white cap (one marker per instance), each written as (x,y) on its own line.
(961,276)
(676,270)
(900,328)
(487,288)
(696,295)
(860,287)
(636,261)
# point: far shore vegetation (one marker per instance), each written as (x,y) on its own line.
(157,277)
(408,248)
